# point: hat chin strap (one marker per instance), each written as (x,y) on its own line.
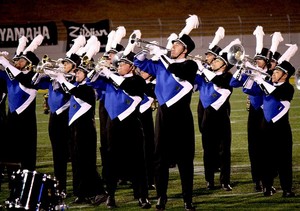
(279,78)
(218,68)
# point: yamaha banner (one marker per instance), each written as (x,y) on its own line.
(99,29)
(10,34)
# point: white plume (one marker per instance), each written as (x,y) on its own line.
(78,43)
(37,41)
(172,37)
(93,49)
(234,42)
(120,33)
(289,53)
(259,33)
(93,39)
(131,41)
(191,23)
(22,45)
(220,33)
(276,39)
(110,38)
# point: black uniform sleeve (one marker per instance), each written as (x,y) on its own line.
(134,86)
(185,70)
(284,92)
(85,93)
(26,79)
(223,80)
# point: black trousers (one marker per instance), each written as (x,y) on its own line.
(255,140)
(125,150)
(60,141)
(277,149)
(103,137)
(216,142)
(174,144)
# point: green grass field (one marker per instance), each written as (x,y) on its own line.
(242,197)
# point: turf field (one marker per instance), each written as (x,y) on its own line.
(243,196)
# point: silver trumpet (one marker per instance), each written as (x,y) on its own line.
(134,39)
(236,56)
(197,57)
(49,67)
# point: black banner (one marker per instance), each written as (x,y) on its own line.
(99,29)
(10,34)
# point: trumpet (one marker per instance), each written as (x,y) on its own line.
(236,56)
(197,57)
(48,63)
(138,41)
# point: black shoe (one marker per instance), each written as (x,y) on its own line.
(111,202)
(268,192)
(144,203)
(161,204)
(210,186)
(226,187)
(273,189)
(288,194)
(98,199)
(189,207)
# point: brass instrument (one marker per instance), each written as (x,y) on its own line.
(297,78)
(96,71)
(87,63)
(133,39)
(48,63)
(49,67)
(236,56)
(197,57)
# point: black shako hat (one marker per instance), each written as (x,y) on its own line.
(264,54)
(214,50)
(74,59)
(286,67)
(117,49)
(31,58)
(187,42)
(276,56)
(128,58)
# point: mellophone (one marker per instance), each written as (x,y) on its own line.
(31,190)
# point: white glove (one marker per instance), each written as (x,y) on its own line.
(200,65)
(60,78)
(106,72)
(142,55)
(4,62)
(155,50)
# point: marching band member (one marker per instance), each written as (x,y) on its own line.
(146,116)
(215,93)
(212,52)
(210,55)
(58,128)
(21,117)
(255,115)
(87,183)
(113,46)
(277,134)
(124,92)
(174,127)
